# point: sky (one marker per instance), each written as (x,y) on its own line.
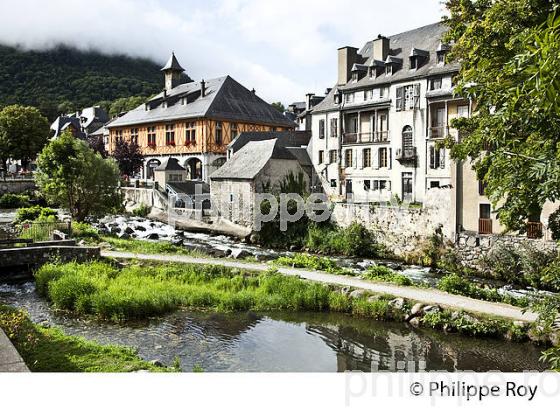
(282,48)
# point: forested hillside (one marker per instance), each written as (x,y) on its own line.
(63,79)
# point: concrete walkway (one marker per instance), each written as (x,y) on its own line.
(10,360)
(428,296)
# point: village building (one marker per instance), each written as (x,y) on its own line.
(81,123)
(377,136)
(259,162)
(300,111)
(194,122)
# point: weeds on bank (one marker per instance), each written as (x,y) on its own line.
(303,260)
(140,291)
(50,350)
(385,274)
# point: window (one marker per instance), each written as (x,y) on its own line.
(234,131)
(175,178)
(134,135)
(152,136)
(434,184)
(333,183)
(349,98)
(190,133)
(382,157)
(441,57)
(366,158)
(382,184)
(408,97)
(367,184)
(407,142)
(382,92)
(321,129)
(348,158)
(407,186)
(389,69)
(484,211)
(481,187)
(332,156)
(382,128)
(170,134)
(321,156)
(463,111)
(435,83)
(219,136)
(413,63)
(368,94)
(119,136)
(437,157)
(334,127)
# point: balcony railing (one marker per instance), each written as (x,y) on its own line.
(365,137)
(484,226)
(405,154)
(534,230)
(438,132)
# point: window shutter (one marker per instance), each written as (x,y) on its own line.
(378,159)
(432,158)
(400,99)
(375,184)
(388,185)
(389,158)
(417,95)
(442,158)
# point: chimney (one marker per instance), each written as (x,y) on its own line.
(380,48)
(347,57)
(203,88)
(308,98)
(327,91)
(254,91)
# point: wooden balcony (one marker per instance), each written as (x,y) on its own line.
(484,226)
(534,230)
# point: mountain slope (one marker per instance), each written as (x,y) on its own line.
(63,77)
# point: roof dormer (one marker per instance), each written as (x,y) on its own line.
(392,64)
(358,72)
(441,52)
(376,68)
(418,58)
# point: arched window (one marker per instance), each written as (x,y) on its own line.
(150,166)
(407,142)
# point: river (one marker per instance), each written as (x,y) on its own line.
(285,342)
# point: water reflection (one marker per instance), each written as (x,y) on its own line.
(295,341)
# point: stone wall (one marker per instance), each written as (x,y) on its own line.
(402,229)
(472,247)
(133,197)
(33,256)
(16,186)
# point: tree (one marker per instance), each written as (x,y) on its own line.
(23,133)
(128,156)
(510,65)
(125,104)
(96,143)
(71,174)
(279,106)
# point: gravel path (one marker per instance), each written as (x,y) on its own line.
(428,296)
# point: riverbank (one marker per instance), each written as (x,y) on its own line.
(50,350)
(427,296)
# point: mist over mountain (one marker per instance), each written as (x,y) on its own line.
(63,78)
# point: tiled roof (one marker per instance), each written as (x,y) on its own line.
(224,99)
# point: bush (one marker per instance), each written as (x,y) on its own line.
(12,201)
(355,240)
(384,274)
(84,230)
(554,224)
(35,212)
(142,211)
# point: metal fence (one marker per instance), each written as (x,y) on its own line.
(43,231)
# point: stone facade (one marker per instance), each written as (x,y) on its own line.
(37,255)
(16,186)
(401,229)
(472,248)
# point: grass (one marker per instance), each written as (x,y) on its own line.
(149,247)
(138,291)
(385,274)
(50,350)
(459,285)
(303,260)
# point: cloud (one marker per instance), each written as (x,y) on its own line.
(283,49)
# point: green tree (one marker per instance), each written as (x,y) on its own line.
(125,104)
(72,175)
(23,133)
(128,156)
(509,55)
(279,106)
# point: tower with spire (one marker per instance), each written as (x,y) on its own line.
(172,72)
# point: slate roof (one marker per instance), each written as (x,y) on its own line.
(285,138)
(225,99)
(188,187)
(420,41)
(251,159)
(173,64)
(169,164)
